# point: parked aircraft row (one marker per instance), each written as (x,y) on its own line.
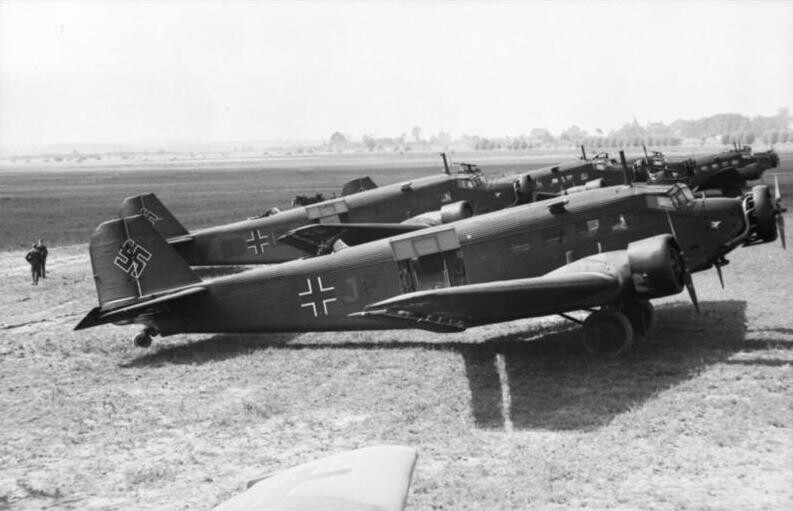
(550,241)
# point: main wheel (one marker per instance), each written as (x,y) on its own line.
(143,340)
(607,332)
(640,314)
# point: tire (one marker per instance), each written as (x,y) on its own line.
(142,340)
(607,333)
(641,315)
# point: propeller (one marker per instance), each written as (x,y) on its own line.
(780,218)
(687,280)
(721,277)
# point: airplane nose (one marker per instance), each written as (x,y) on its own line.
(764,215)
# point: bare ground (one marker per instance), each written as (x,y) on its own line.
(515,416)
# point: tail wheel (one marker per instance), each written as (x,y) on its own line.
(143,340)
(640,314)
(607,332)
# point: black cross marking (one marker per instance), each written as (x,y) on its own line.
(257,242)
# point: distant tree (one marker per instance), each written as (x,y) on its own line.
(725,138)
(370,142)
(749,137)
(416,133)
(338,139)
(542,135)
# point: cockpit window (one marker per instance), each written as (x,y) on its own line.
(680,195)
(470,183)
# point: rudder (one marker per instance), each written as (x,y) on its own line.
(150,207)
(131,262)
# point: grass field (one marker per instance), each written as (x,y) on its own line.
(512,416)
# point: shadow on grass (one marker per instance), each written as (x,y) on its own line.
(213,349)
(547,382)
(550,385)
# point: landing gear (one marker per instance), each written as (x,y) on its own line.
(143,339)
(607,332)
(640,314)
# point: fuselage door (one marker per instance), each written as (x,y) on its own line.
(429,261)
(331,211)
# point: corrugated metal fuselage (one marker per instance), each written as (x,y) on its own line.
(525,241)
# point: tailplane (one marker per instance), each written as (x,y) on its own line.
(134,269)
(150,207)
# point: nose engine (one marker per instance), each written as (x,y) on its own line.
(764,215)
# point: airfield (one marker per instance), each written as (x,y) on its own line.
(510,416)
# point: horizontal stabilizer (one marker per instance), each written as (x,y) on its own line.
(318,239)
(456,308)
(368,479)
(101,316)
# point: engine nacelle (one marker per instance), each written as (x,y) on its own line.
(524,189)
(656,266)
(448,213)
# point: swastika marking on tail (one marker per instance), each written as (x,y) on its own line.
(132,258)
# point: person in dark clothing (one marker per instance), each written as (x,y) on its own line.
(42,248)
(34,258)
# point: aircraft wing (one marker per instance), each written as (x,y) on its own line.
(453,309)
(724,178)
(319,238)
(369,479)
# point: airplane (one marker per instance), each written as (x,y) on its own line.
(727,172)
(613,248)
(371,478)
(256,240)
(723,173)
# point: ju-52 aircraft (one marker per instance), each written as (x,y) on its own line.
(613,248)
(728,172)
(723,173)
(430,200)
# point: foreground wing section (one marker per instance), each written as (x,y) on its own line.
(319,238)
(457,308)
(370,479)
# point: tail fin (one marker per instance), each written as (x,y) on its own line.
(132,262)
(155,212)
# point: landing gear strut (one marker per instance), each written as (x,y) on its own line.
(640,314)
(607,332)
(143,339)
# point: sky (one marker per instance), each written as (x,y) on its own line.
(209,71)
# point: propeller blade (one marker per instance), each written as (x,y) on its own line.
(691,291)
(777,193)
(780,225)
(721,277)
(671,225)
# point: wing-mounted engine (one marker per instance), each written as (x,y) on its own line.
(656,267)
(448,213)
(648,268)
(524,189)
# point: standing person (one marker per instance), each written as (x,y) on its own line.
(34,258)
(42,248)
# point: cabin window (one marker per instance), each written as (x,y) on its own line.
(584,176)
(554,181)
(553,235)
(620,223)
(715,166)
(588,228)
(704,168)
